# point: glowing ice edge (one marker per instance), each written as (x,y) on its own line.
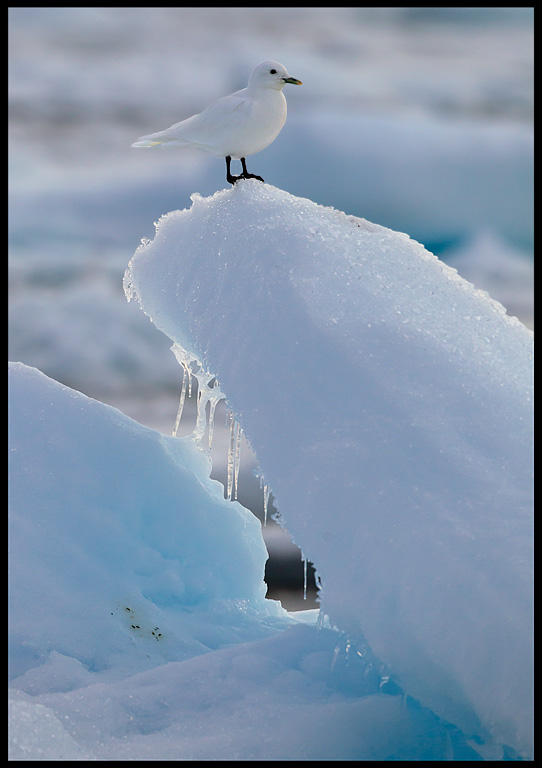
(390,406)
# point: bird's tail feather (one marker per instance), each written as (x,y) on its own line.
(154,139)
(172,136)
(146,143)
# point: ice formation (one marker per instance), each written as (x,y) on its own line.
(208,396)
(390,406)
(138,624)
(121,526)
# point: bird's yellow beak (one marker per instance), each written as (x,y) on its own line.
(292,80)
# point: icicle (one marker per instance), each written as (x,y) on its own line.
(234,453)
(266,492)
(304,576)
(237,458)
(186,375)
(230,457)
(201,419)
(212,409)
(208,392)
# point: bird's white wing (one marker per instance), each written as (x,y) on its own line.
(216,121)
(206,130)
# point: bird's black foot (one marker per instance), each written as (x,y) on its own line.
(244,175)
(250,176)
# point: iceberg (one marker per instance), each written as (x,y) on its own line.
(389,404)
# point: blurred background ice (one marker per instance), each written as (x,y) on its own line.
(419,119)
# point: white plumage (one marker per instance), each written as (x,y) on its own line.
(238,125)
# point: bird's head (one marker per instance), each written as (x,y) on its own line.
(271,74)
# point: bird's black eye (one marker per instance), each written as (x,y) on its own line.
(272,71)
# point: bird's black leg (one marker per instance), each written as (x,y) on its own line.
(246,174)
(231,179)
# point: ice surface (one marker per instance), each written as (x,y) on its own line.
(390,406)
(138,625)
(144,537)
(389,403)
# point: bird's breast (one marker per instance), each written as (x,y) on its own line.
(263,123)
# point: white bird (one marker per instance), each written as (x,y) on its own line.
(238,125)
